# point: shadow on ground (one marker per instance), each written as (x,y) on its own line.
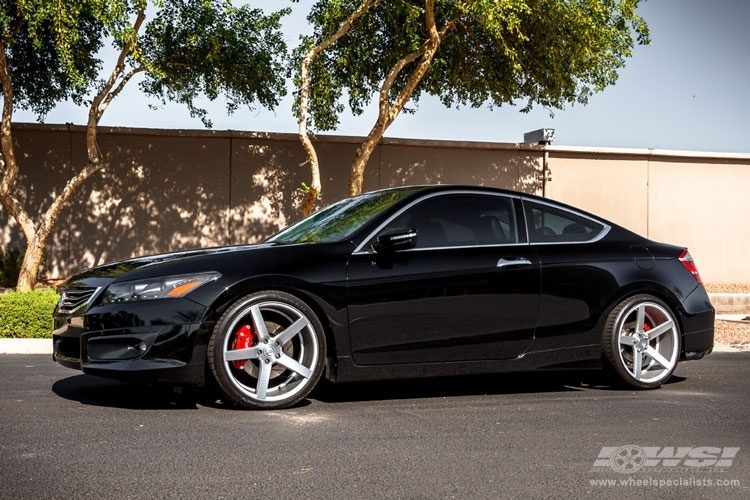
(471,385)
(97,391)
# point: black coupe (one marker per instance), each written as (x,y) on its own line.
(404,282)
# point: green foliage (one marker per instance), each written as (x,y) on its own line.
(51,47)
(211,48)
(305,189)
(11,260)
(493,52)
(190,48)
(27,315)
(10,267)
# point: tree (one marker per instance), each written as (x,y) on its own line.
(49,52)
(303,81)
(470,52)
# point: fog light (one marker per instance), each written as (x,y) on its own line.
(114,347)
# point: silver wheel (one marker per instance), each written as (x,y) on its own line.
(267,351)
(642,341)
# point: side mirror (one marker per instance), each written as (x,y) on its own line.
(395,240)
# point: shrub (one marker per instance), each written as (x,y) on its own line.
(27,315)
(10,266)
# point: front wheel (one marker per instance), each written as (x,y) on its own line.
(267,351)
(641,341)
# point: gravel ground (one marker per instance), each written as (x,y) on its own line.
(728,288)
(732,333)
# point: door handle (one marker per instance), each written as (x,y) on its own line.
(513,261)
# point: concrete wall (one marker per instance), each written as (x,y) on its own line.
(699,200)
(171,190)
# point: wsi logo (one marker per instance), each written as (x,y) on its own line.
(631,458)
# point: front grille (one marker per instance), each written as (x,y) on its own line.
(73,299)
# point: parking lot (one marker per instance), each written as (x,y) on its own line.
(68,435)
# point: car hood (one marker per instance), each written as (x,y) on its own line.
(114,270)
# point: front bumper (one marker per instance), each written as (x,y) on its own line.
(169,354)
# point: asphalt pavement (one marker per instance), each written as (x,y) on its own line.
(550,435)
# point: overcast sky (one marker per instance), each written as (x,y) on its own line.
(686,91)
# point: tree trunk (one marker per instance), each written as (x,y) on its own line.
(35,239)
(312,157)
(362,156)
(312,195)
(32,261)
(9,170)
(388,112)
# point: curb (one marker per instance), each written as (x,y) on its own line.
(731,348)
(736,318)
(26,346)
(730,303)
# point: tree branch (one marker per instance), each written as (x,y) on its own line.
(120,86)
(102,100)
(387,111)
(99,104)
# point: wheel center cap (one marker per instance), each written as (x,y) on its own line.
(641,342)
(269,351)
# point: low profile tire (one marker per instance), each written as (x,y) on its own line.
(641,341)
(267,351)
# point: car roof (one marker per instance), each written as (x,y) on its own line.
(422,189)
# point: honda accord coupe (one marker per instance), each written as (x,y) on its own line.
(404,282)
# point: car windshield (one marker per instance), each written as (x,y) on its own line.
(341,219)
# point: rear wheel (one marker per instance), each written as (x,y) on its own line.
(641,341)
(267,351)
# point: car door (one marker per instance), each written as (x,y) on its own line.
(578,273)
(469,290)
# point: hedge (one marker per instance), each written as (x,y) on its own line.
(27,315)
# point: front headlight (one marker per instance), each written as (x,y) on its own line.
(155,288)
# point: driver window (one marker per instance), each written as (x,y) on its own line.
(460,220)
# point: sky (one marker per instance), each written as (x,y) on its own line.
(687,91)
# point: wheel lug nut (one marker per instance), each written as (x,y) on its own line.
(268,360)
(278,356)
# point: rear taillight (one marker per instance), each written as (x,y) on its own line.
(687,260)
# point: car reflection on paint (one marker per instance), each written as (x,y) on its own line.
(403,282)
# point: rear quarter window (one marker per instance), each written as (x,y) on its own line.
(550,224)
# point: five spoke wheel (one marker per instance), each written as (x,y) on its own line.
(642,341)
(267,351)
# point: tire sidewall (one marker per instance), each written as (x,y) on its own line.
(611,346)
(219,339)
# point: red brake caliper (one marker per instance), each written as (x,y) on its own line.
(243,339)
